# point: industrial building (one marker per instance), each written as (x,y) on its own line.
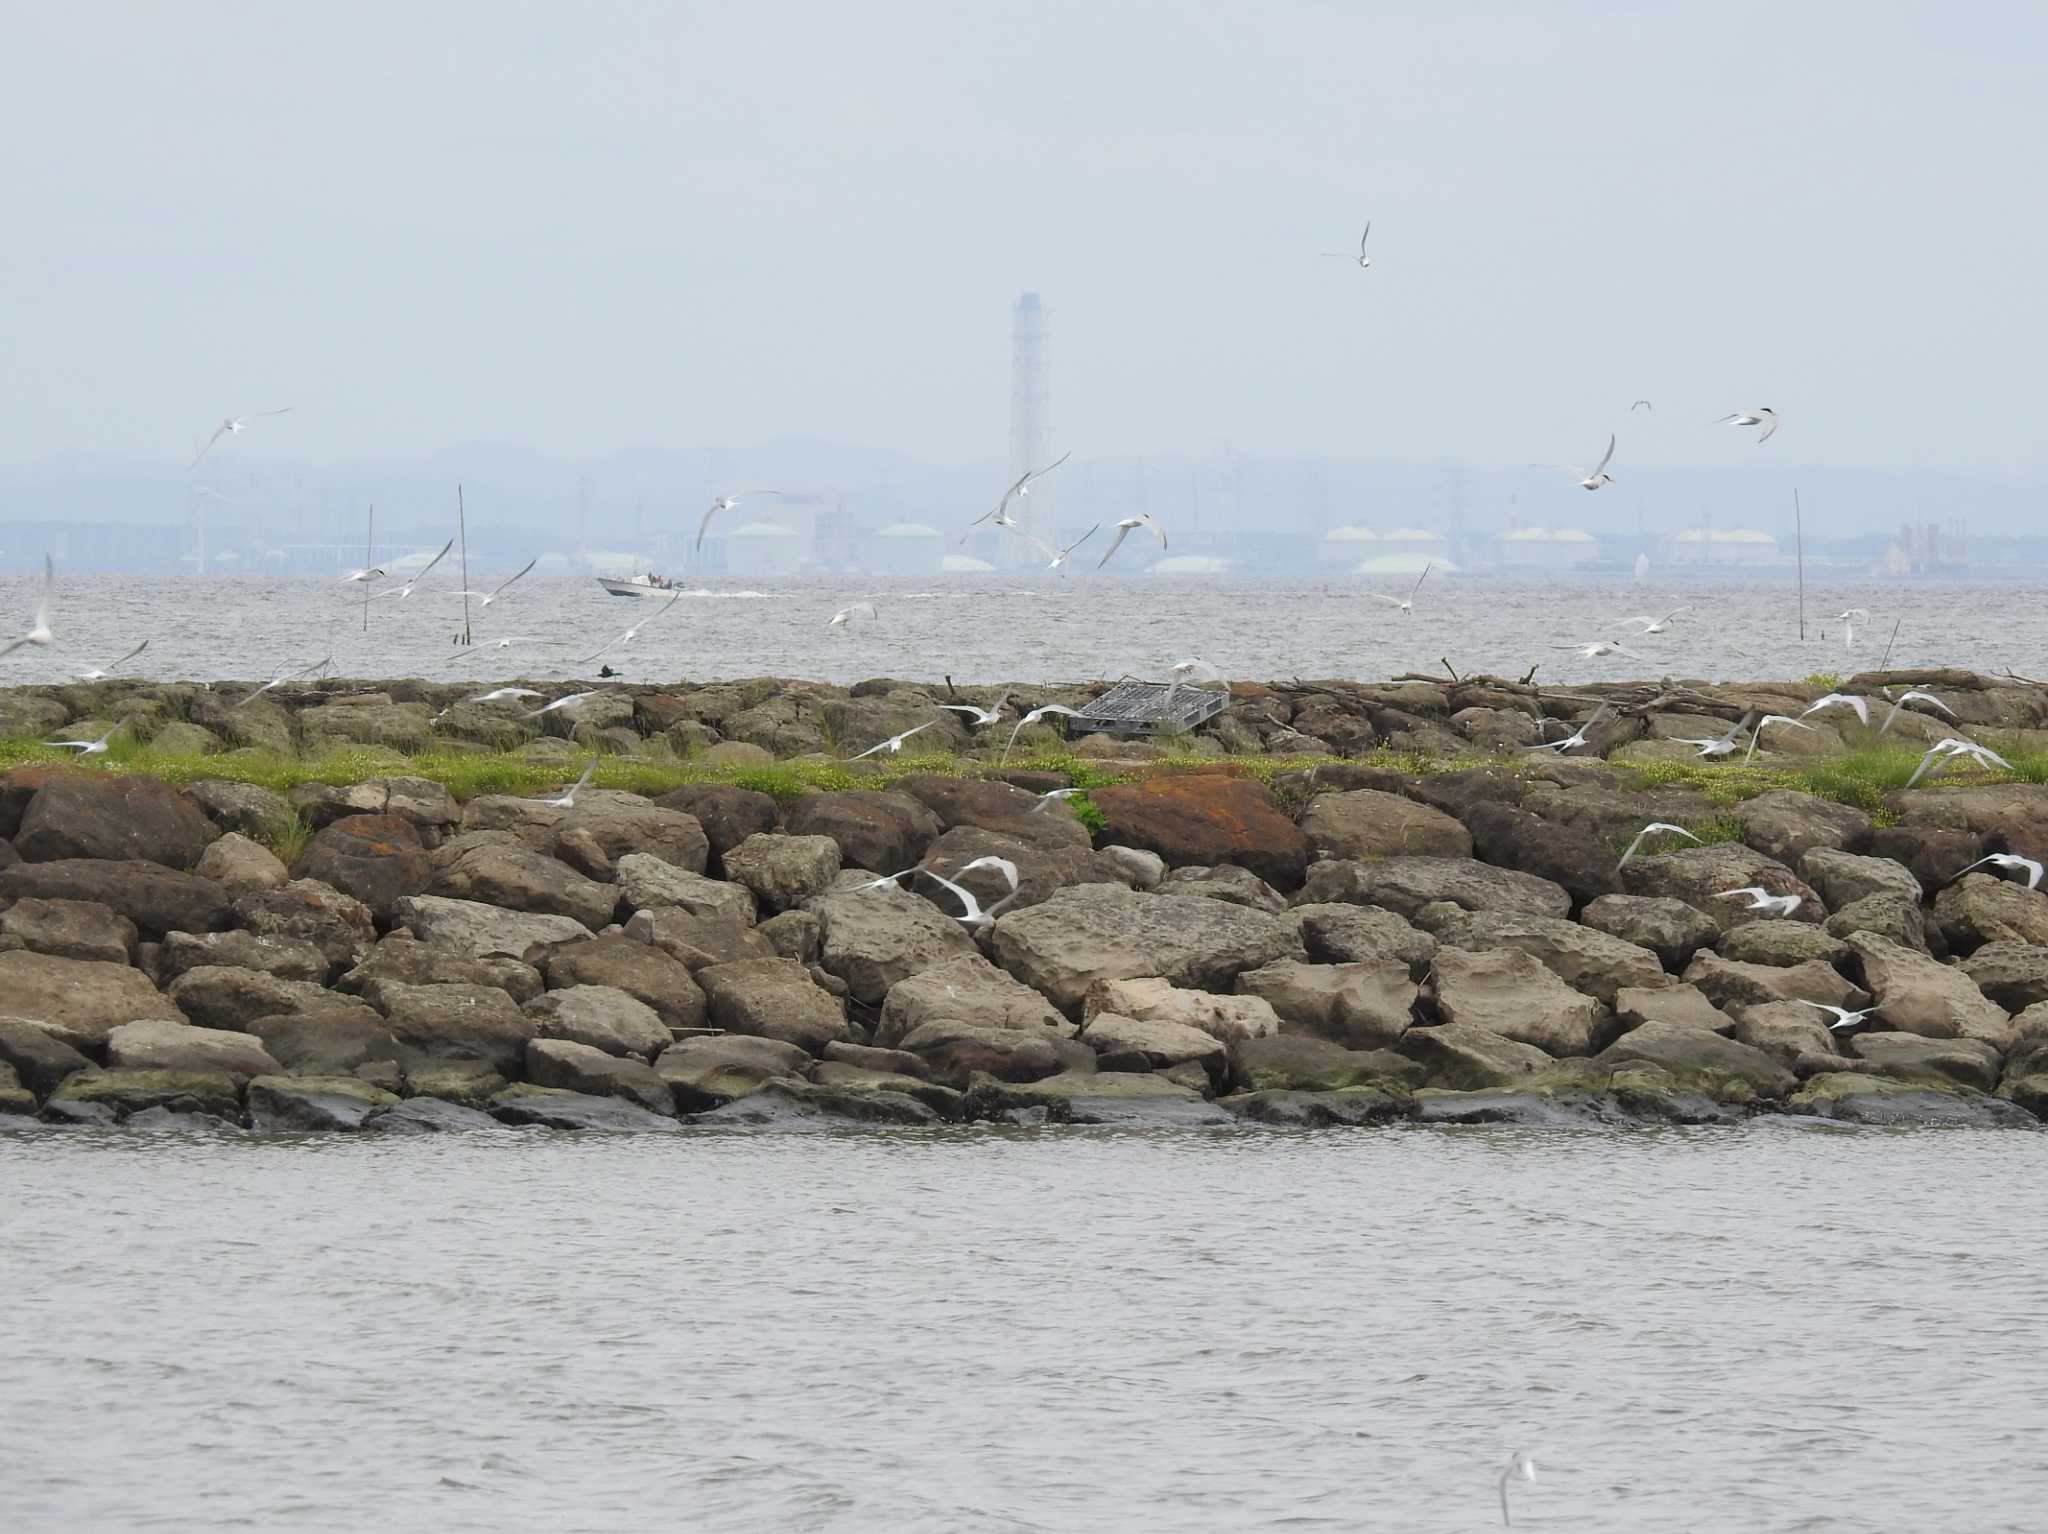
(1343,547)
(1721,546)
(1545,548)
(906,548)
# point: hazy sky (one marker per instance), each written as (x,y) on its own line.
(584,227)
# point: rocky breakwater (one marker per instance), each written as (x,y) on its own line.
(1363,946)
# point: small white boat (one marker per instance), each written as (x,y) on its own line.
(636,585)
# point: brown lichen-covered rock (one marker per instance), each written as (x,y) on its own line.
(339,925)
(1228,1018)
(968,989)
(1465,1057)
(1568,856)
(700,940)
(454,1022)
(1002,808)
(574,1067)
(1915,994)
(707,1073)
(1933,855)
(378,859)
(220,996)
(78,815)
(1040,870)
(155,898)
(239,865)
(516,879)
(1679,1003)
(1296,1062)
(340,1038)
(1908,1057)
(601,1016)
(421,803)
(480,930)
(39,1056)
(287,958)
(1686,1051)
(1205,819)
(874,829)
(648,883)
(402,957)
(2014,975)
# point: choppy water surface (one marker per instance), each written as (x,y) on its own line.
(990,629)
(1773,1328)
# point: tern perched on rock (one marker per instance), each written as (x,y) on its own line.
(1839,700)
(39,631)
(1124,530)
(1913,697)
(1844,1018)
(1761,899)
(1588,480)
(1762,415)
(895,742)
(2008,860)
(1405,604)
(101,673)
(1518,1468)
(568,800)
(1361,258)
(1944,752)
(1770,719)
(232,426)
(1036,716)
(1654,826)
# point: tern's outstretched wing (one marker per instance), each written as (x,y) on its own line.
(528,566)
(1600,467)
(1116,543)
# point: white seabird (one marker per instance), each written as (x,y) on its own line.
(1652,625)
(101,673)
(1124,530)
(1946,751)
(498,590)
(1761,899)
(413,580)
(1407,604)
(568,800)
(233,425)
(1655,825)
(727,503)
(1518,1468)
(895,742)
(39,631)
(1770,719)
(1844,1018)
(977,715)
(1592,480)
(843,619)
(1840,700)
(1035,717)
(2007,860)
(1761,415)
(86,748)
(1913,697)
(633,632)
(1059,556)
(1361,258)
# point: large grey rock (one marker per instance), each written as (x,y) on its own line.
(342,1038)
(515,879)
(647,882)
(130,1092)
(642,971)
(241,808)
(1406,884)
(1729,985)
(1785,825)
(286,958)
(1908,1057)
(1102,931)
(68,929)
(294,1104)
(1779,942)
(474,928)
(1129,1099)
(1723,1067)
(81,1000)
(1981,908)
(421,803)
(601,1017)
(239,865)
(1238,886)
(773,999)
(876,937)
(1698,875)
(706,1073)
(378,859)
(621,824)
(1843,878)
(1134,1044)
(400,956)
(1585,959)
(1917,995)
(107,817)
(428,1115)
(1853,1098)
(1228,1018)
(727,815)
(2013,975)
(221,996)
(585,1068)
(1466,1057)
(969,990)
(156,899)
(1358,1006)
(782,872)
(1295,1062)
(1670,929)
(1511,993)
(454,1022)
(1368,823)
(1888,915)
(548,1108)
(339,925)
(1679,1003)
(1797,1037)
(696,941)
(39,1056)
(957,1052)
(160,1046)
(1362,934)
(873,828)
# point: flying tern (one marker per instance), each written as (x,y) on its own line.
(1020,486)
(93,747)
(1054,796)
(568,700)
(1123,531)
(1761,899)
(1757,734)
(101,673)
(1946,751)
(1587,481)
(1844,1018)
(367,573)
(39,631)
(1655,825)
(1596,647)
(1059,556)
(498,590)
(895,742)
(1762,415)
(727,503)
(2008,860)
(973,917)
(568,800)
(976,715)
(279,679)
(1720,745)
(628,637)
(888,879)
(1577,737)
(1518,1468)
(1405,604)
(1361,258)
(1840,700)
(413,580)
(233,425)
(1036,716)
(1002,866)
(1849,619)
(1642,404)
(500,694)
(843,619)
(1913,697)
(1652,625)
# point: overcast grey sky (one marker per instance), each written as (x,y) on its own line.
(583,227)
